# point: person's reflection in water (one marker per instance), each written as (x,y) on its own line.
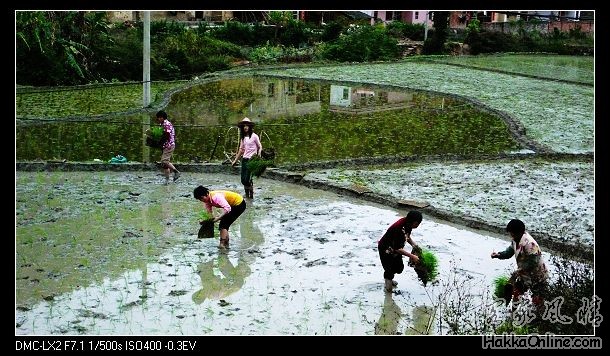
(423,317)
(390,317)
(229,278)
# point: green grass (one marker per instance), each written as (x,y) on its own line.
(86,100)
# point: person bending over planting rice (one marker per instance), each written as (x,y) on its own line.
(531,272)
(231,203)
(392,247)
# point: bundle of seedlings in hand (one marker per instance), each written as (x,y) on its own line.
(502,288)
(427,267)
(207,225)
(257,166)
(205,215)
(155,137)
(156,132)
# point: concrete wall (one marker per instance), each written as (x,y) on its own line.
(544,27)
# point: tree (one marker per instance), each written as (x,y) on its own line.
(279,19)
(436,44)
(55,47)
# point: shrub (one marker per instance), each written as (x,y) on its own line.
(363,44)
(574,284)
(266,54)
(294,34)
(508,327)
(332,30)
(491,42)
(412,31)
(235,32)
(189,53)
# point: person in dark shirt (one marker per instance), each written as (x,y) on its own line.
(392,247)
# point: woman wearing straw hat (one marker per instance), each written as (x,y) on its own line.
(250,145)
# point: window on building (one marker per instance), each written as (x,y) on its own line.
(290,87)
(271,89)
(416,15)
(345,93)
(388,15)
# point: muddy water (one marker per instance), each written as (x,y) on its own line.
(300,118)
(117,253)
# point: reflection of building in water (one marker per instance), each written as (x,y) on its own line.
(340,95)
(220,102)
(261,98)
(284,97)
(363,100)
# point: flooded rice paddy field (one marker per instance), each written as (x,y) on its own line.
(117,253)
(554,197)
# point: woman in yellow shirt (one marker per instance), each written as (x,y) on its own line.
(232,204)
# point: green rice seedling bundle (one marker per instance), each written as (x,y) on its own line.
(257,166)
(207,225)
(205,215)
(502,288)
(154,137)
(427,267)
(156,132)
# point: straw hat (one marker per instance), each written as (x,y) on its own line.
(245,121)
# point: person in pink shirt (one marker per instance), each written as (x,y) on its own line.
(231,203)
(249,146)
(169,145)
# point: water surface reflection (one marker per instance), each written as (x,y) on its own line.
(302,120)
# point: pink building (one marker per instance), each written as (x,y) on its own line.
(416,17)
